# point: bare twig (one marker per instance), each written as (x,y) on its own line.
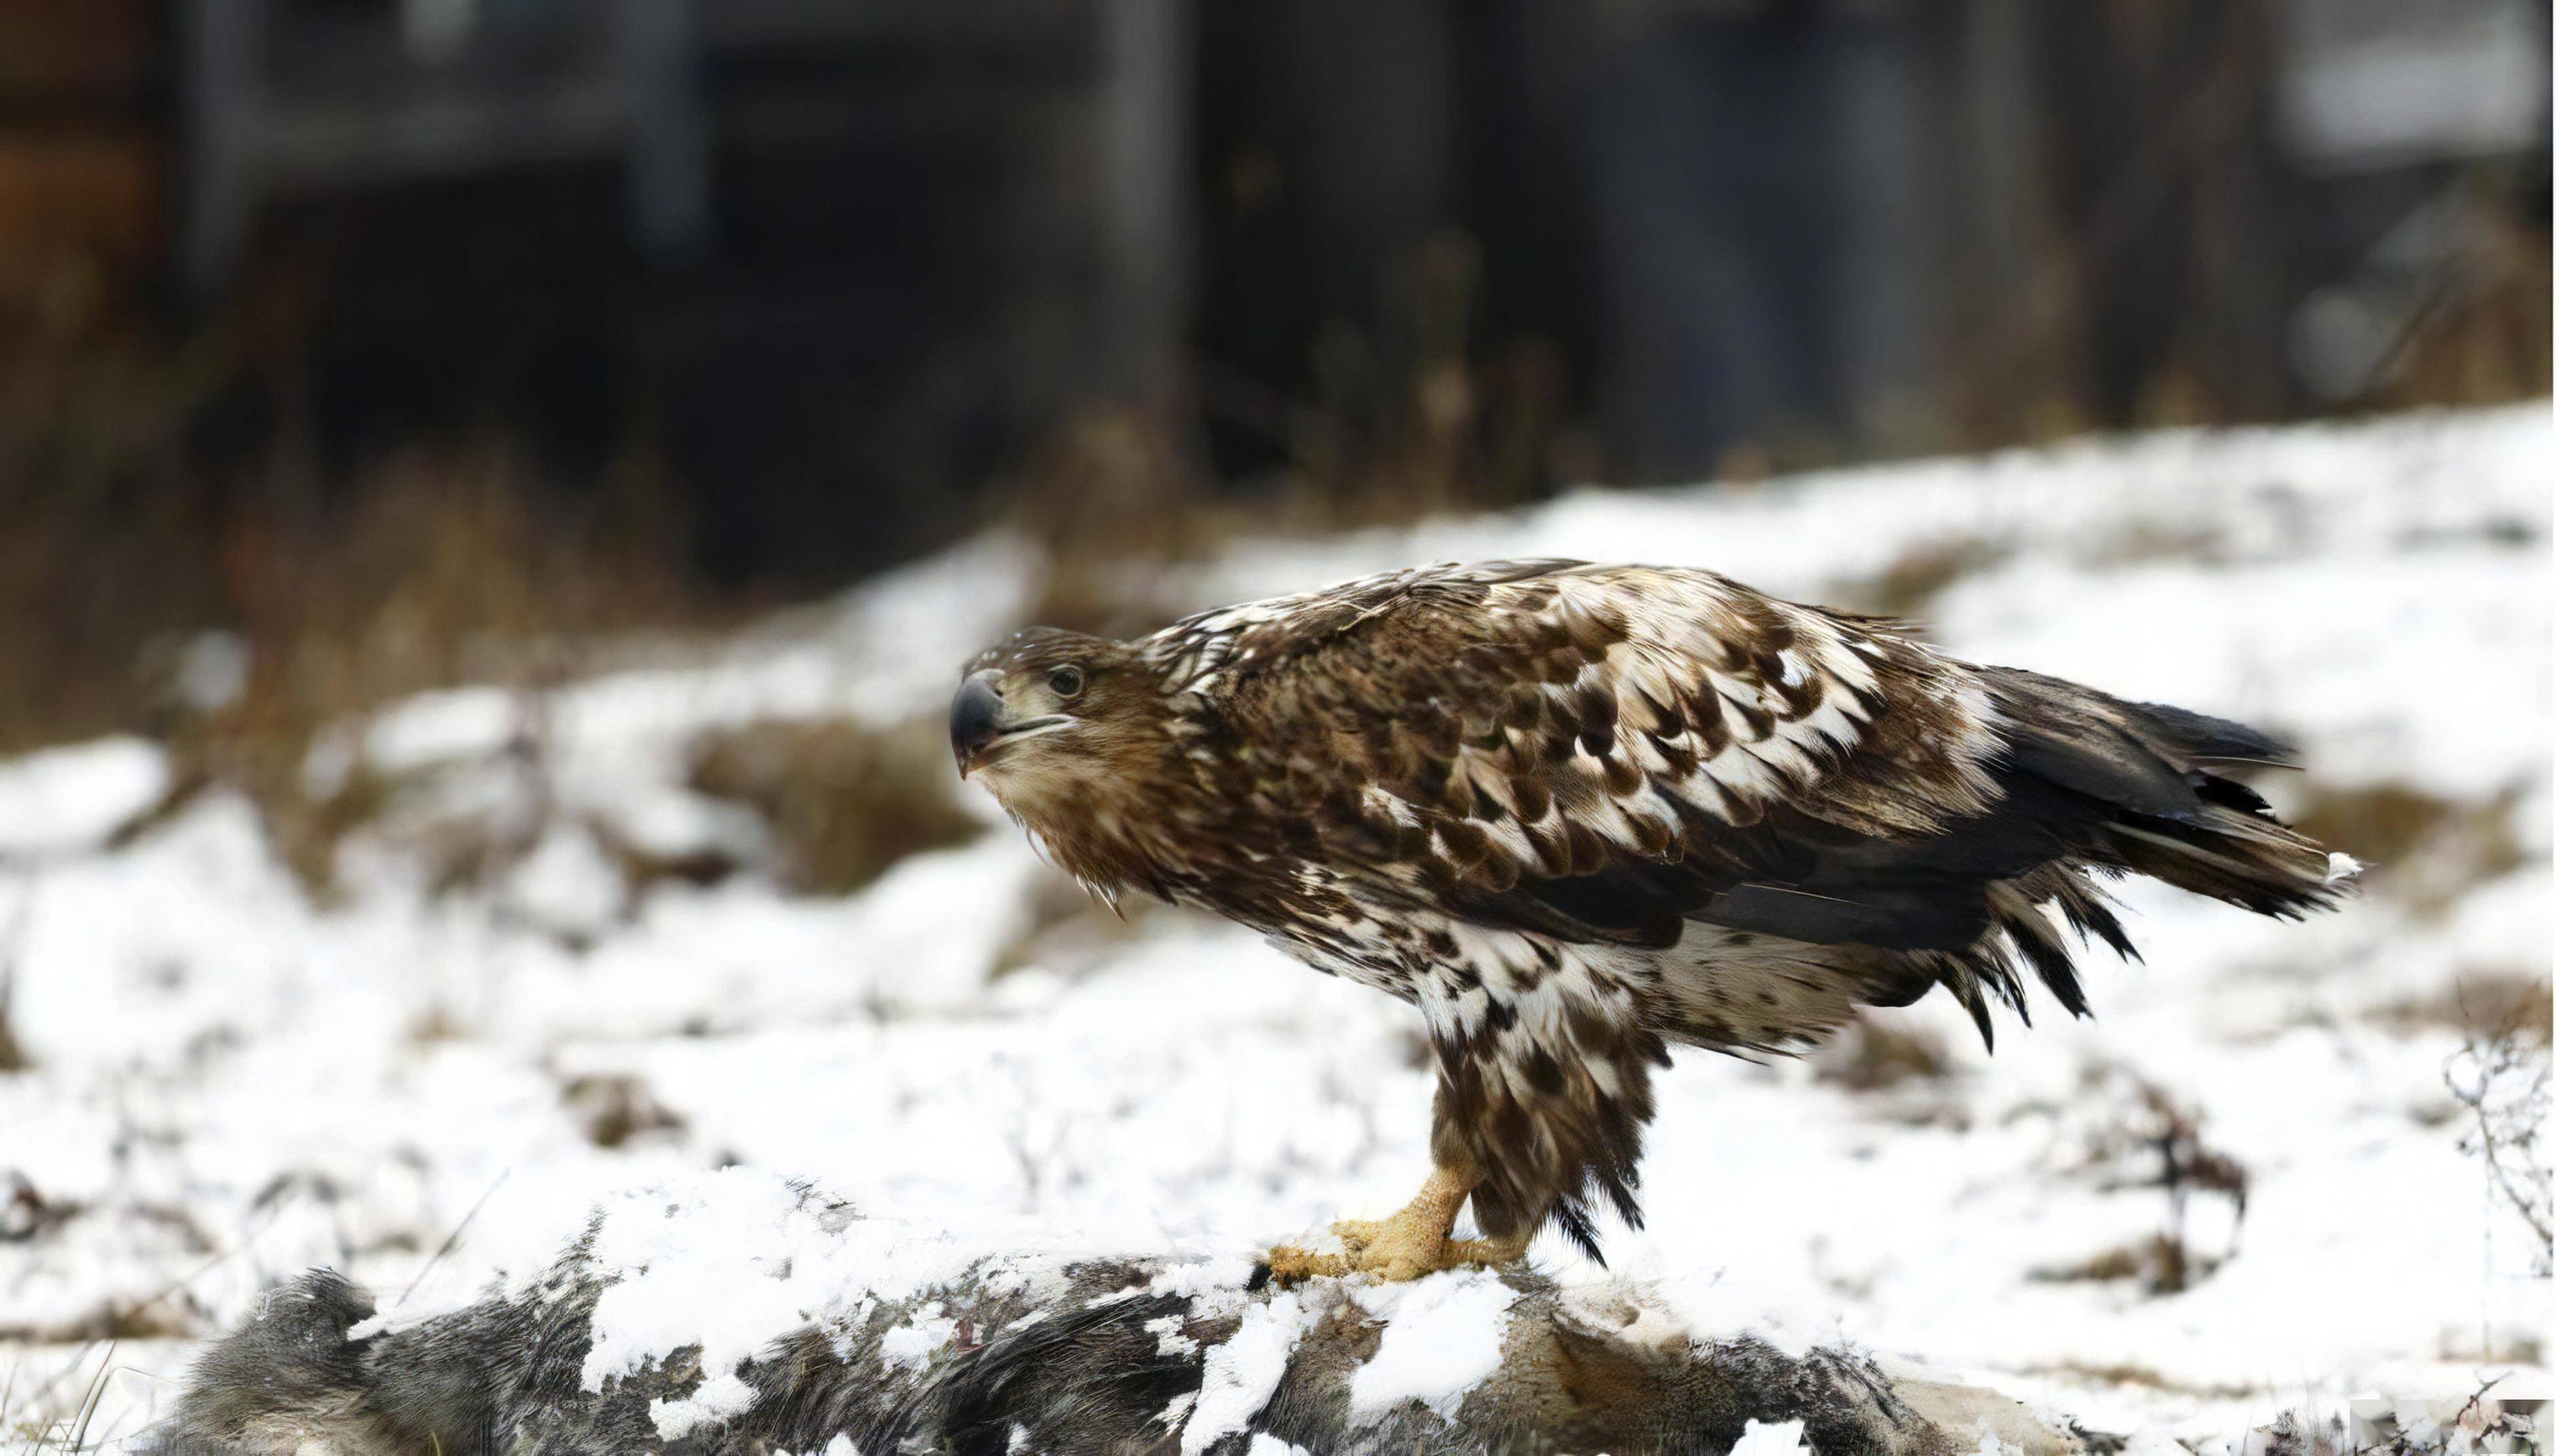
(2506,1088)
(96,1395)
(451,1239)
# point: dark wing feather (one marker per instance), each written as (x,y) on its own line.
(1600,754)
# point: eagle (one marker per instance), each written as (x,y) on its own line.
(1579,814)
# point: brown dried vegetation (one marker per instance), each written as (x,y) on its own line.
(844,799)
(2421,849)
(2149,1138)
(611,1109)
(2479,1004)
(1876,1056)
(1918,575)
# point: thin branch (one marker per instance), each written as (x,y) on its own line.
(451,1239)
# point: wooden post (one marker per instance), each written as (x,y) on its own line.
(668,155)
(217,177)
(1144,148)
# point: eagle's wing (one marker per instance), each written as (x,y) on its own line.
(1539,724)
(1605,753)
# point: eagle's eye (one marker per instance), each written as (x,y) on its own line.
(1065,682)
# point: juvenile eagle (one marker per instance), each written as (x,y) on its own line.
(1578,814)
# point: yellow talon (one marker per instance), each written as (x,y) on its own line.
(1357,1233)
(1412,1243)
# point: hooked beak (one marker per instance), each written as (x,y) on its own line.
(978,727)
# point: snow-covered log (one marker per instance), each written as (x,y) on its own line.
(737,1313)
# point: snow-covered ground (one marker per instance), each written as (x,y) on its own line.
(227,1081)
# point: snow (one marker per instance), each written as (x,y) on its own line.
(1781,1439)
(66,799)
(1442,1338)
(731,1262)
(229,1081)
(1242,1373)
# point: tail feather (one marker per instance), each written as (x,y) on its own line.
(2091,787)
(2203,739)
(2253,861)
(2169,813)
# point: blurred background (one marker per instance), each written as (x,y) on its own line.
(388,336)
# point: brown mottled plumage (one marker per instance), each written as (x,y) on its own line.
(1578,814)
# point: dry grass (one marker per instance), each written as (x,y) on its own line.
(644,869)
(13,1055)
(2149,1138)
(1116,496)
(2421,849)
(2479,1004)
(438,1025)
(843,800)
(1070,931)
(2127,1372)
(334,595)
(27,1214)
(1910,585)
(1113,499)
(2156,541)
(613,1108)
(437,570)
(2159,1263)
(1875,1056)
(136,1322)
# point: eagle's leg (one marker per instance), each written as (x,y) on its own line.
(1412,1243)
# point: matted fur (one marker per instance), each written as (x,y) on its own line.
(1089,1354)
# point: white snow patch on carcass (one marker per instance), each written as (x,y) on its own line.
(910,1346)
(1241,1373)
(1775,1438)
(1169,1341)
(731,1262)
(1442,1338)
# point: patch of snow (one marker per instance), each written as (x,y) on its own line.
(211,671)
(567,883)
(1442,1338)
(1195,1278)
(438,727)
(2153,1440)
(66,799)
(1242,1373)
(1168,1342)
(1781,1439)
(731,1262)
(911,1345)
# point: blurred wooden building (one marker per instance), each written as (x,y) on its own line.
(838,259)
(83,151)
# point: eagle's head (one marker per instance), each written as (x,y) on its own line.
(1047,716)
